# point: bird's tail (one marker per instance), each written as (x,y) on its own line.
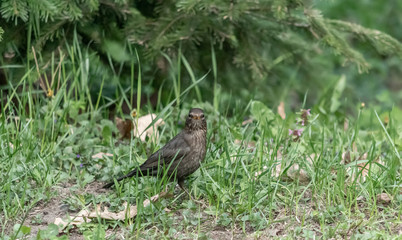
(130,174)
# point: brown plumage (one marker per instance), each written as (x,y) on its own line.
(181,156)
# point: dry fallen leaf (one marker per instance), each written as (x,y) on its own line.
(278,170)
(354,147)
(78,220)
(346,157)
(85,215)
(360,198)
(281,110)
(124,127)
(312,157)
(101,154)
(275,171)
(364,168)
(143,123)
(296,173)
(278,167)
(256,174)
(245,122)
(139,127)
(358,169)
(383,198)
(250,145)
(346,125)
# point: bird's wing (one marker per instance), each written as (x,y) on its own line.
(176,148)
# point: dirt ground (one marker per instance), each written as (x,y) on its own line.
(56,208)
(45,213)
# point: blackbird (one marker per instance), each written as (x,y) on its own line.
(181,156)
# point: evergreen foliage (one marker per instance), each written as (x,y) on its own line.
(267,39)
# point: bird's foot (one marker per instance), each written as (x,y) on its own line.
(181,185)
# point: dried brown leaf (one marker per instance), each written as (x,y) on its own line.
(278,167)
(312,157)
(346,157)
(296,173)
(256,174)
(278,170)
(364,167)
(354,147)
(124,127)
(346,125)
(129,211)
(85,215)
(248,144)
(245,122)
(77,220)
(101,155)
(360,170)
(360,199)
(139,127)
(384,199)
(142,123)
(281,110)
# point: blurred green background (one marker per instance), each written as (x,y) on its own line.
(382,84)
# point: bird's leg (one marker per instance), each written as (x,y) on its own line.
(181,185)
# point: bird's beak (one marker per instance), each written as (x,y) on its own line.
(196,117)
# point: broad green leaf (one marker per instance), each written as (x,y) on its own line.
(261,113)
(25,229)
(106,133)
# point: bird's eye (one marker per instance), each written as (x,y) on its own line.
(202,115)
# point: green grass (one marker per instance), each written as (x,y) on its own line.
(47,144)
